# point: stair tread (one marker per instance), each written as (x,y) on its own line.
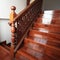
(4,54)
(34,46)
(21,57)
(46,25)
(26,55)
(47,28)
(7,47)
(48,38)
(33,53)
(48,49)
(43,45)
(35,33)
(49,20)
(45,39)
(52,11)
(52,16)
(44,16)
(56,36)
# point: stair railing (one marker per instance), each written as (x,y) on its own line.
(13,31)
(21,24)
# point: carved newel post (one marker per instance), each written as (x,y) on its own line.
(13,31)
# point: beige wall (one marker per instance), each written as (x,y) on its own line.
(6,4)
(5,31)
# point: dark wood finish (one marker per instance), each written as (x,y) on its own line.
(28,2)
(4,42)
(25,19)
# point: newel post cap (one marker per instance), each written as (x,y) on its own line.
(13,8)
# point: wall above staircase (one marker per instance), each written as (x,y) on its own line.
(51,4)
(6,4)
(4,16)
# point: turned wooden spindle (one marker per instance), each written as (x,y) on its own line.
(13,31)
(28,2)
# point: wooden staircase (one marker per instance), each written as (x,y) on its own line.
(4,53)
(42,42)
(37,35)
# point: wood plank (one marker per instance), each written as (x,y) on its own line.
(56,36)
(46,40)
(48,49)
(33,53)
(55,21)
(50,28)
(21,52)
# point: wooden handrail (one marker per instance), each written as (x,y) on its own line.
(24,21)
(28,2)
(29,7)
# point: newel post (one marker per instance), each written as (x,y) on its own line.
(13,31)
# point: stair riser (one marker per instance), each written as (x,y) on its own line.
(53,29)
(56,36)
(44,40)
(52,53)
(34,46)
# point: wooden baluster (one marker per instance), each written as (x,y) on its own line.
(13,30)
(28,2)
(12,40)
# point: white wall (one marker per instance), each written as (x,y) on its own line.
(5,31)
(6,4)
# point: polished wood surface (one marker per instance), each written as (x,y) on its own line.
(25,20)
(13,31)
(12,14)
(49,17)
(4,54)
(42,35)
(43,40)
(28,2)
(41,43)
(48,28)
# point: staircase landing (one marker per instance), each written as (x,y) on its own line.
(4,54)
